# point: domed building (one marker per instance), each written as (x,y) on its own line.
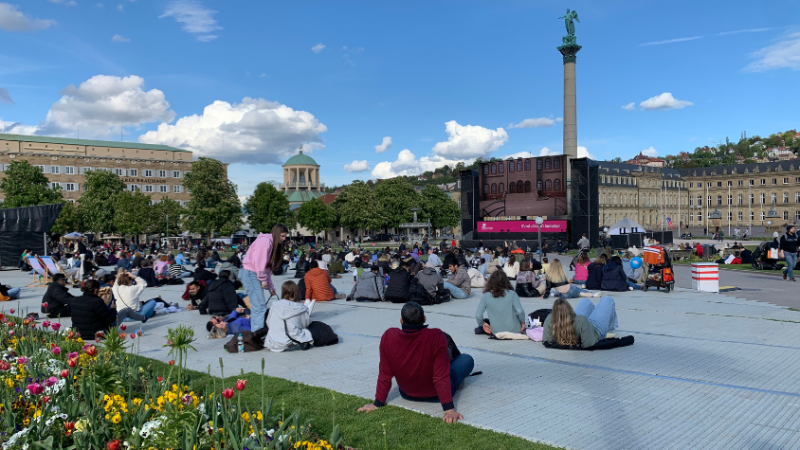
(301,180)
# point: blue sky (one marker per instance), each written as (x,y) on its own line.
(249,82)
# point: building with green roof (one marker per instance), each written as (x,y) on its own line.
(301,179)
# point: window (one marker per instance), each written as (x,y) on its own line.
(740,216)
(763,181)
(519,187)
(797,179)
(500,167)
(176,174)
(719,200)
(797,216)
(699,200)
(752,215)
(148,173)
(557,184)
(486,169)
(539,186)
(762,216)
(85,169)
(763,198)
(148,188)
(528,186)
(785,181)
(133,172)
(485,188)
(785,197)
(511,166)
(70,187)
(752,182)
(797,197)
(730,200)
(539,163)
(120,172)
(494,168)
(774,181)
(54,169)
(162,174)
(55,185)
(741,182)
(700,217)
(494,186)
(547,164)
(786,215)
(691,201)
(512,187)
(752,199)
(730,183)
(774,198)
(739,199)
(719,183)
(730,216)
(134,188)
(163,188)
(709,200)
(500,189)
(177,189)
(69,170)
(548,185)
(708,184)
(556,163)
(519,165)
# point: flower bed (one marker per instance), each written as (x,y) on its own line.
(59,392)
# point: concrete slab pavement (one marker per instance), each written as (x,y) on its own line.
(707,371)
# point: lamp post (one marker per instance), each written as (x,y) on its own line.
(539,222)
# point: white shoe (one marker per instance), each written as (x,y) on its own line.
(583,286)
(597,294)
(610,335)
(630,288)
(311,306)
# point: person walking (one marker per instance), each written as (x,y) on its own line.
(789,251)
(264,254)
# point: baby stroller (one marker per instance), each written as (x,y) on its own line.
(763,260)
(660,273)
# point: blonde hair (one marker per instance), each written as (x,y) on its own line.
(218,333)
(555,274)
(562,323)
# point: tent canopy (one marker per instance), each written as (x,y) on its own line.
(73,235)
(625,226)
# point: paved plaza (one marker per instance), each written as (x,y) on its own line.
(707,371)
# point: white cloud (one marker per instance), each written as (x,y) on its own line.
(408,164)
(12,19)
(630,106)
(535,123)
(784,54)
(547,152)
(100,5)
(469,141)
(120,8)
(103,104)
(120,38)
(584,153)
(663,101)
(357,166)
(650,152)
(64,2)
(255,131)
(318,48)
(5,97)
(386,144)
(194,18)
(749,30)
(353,49)
(17,128)
(670,41)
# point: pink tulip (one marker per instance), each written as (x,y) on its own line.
(50,381)
(46,323)
(35,388)
(11,333)
(55,326)
(72,355)
(57,351)
(22,360)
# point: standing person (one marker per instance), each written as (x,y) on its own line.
(583,243)
(789,251)
(265,253)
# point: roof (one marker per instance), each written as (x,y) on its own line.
(304,196)
(743,168)
(300,160)
(328,198)
(608,167)
(87,142)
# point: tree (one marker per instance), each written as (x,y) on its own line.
(316,216)
(68,220)
(357,209)
(26,185)
(268,207)
(214,205)
(439,208)
(395,198)
(133,213)
(167,212)
(98,205)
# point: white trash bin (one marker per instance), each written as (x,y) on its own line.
(705,277)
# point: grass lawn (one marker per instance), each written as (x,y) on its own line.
(390,427)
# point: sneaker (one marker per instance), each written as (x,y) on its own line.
(630,288)
(583,286)
(340,296)
(597,294)
(611,335)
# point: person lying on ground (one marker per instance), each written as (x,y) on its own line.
(369,287)
(417,357)
(501,304)
(57,298)
(236,322)
(9,292)
(90,314)
(558,284)
(221,298)
(585,325)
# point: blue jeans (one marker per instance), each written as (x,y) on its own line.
(482,269)
(603,316)
(455,292)
(460,368)
(13,293)
(573,292)
(258,304)
(345,265)
(335,292)
(791,261)
(147,310)
(636,287)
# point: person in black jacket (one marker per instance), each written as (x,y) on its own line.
(788,247)
(200,273)
(301,267)
(147,273)
(57,298)
(90,313)
(595,279)
(614,278)
(221,298)
(399,282)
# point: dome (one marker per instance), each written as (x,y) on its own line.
(300,160)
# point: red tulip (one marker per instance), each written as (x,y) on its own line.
(11,310)
(98,335)
(2,316)
(122,335)
(228,393)
(240,384)
(55,326)
(160,379)
(11,324)
(4,365)
(123,327)
(139,332)
(171,362)
(91,351)
(113,445)
(70,335)
(26,322)
(133,335)
(64,373)
(72,362)
(69,425)
(44,305)
(45,398)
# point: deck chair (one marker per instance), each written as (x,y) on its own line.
(38,269)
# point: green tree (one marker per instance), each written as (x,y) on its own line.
(167,212)
(268,207)
(439,208)
(26,185)
(316,216)
(133,213)
(214,206)
(357,209)
(98,205)
(68,220)
(395,198)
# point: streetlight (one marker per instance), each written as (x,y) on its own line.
(539,222)
(605,233)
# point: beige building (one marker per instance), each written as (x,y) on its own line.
(301,179)
(740,196)
(156,170)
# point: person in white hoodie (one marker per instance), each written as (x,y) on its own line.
(288,320)
(126,297)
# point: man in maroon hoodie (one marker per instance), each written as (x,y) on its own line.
(418,357)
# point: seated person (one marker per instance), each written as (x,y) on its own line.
(502,307)
(147,273)
(90,314)
(595,269)
(90,269)
(126,293)
(558,284)
(418,358)
(397,290)
(459,284)
(369,287)
(318,284)
(527,276)
(200,273)
(747,256)
(57,298)
(238,321)
(614,277)
(430,279)
(336,268)
(288,321)
(112,259)
(180,259)
(178,271)
(584,326)
(221,298)
(545,266)
(124,262)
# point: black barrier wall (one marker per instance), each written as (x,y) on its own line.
(22,228)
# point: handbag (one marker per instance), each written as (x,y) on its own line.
(251,343)
(773,254)
(442,294)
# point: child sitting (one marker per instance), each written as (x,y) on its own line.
(290,324)
(545,265)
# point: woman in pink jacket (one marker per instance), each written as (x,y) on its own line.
(264,254)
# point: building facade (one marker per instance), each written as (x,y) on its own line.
(301,180)
(156,170)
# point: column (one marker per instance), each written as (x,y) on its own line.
(570,143)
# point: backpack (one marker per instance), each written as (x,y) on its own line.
(251,343)
(442,295)
(540,314)
(417,293)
